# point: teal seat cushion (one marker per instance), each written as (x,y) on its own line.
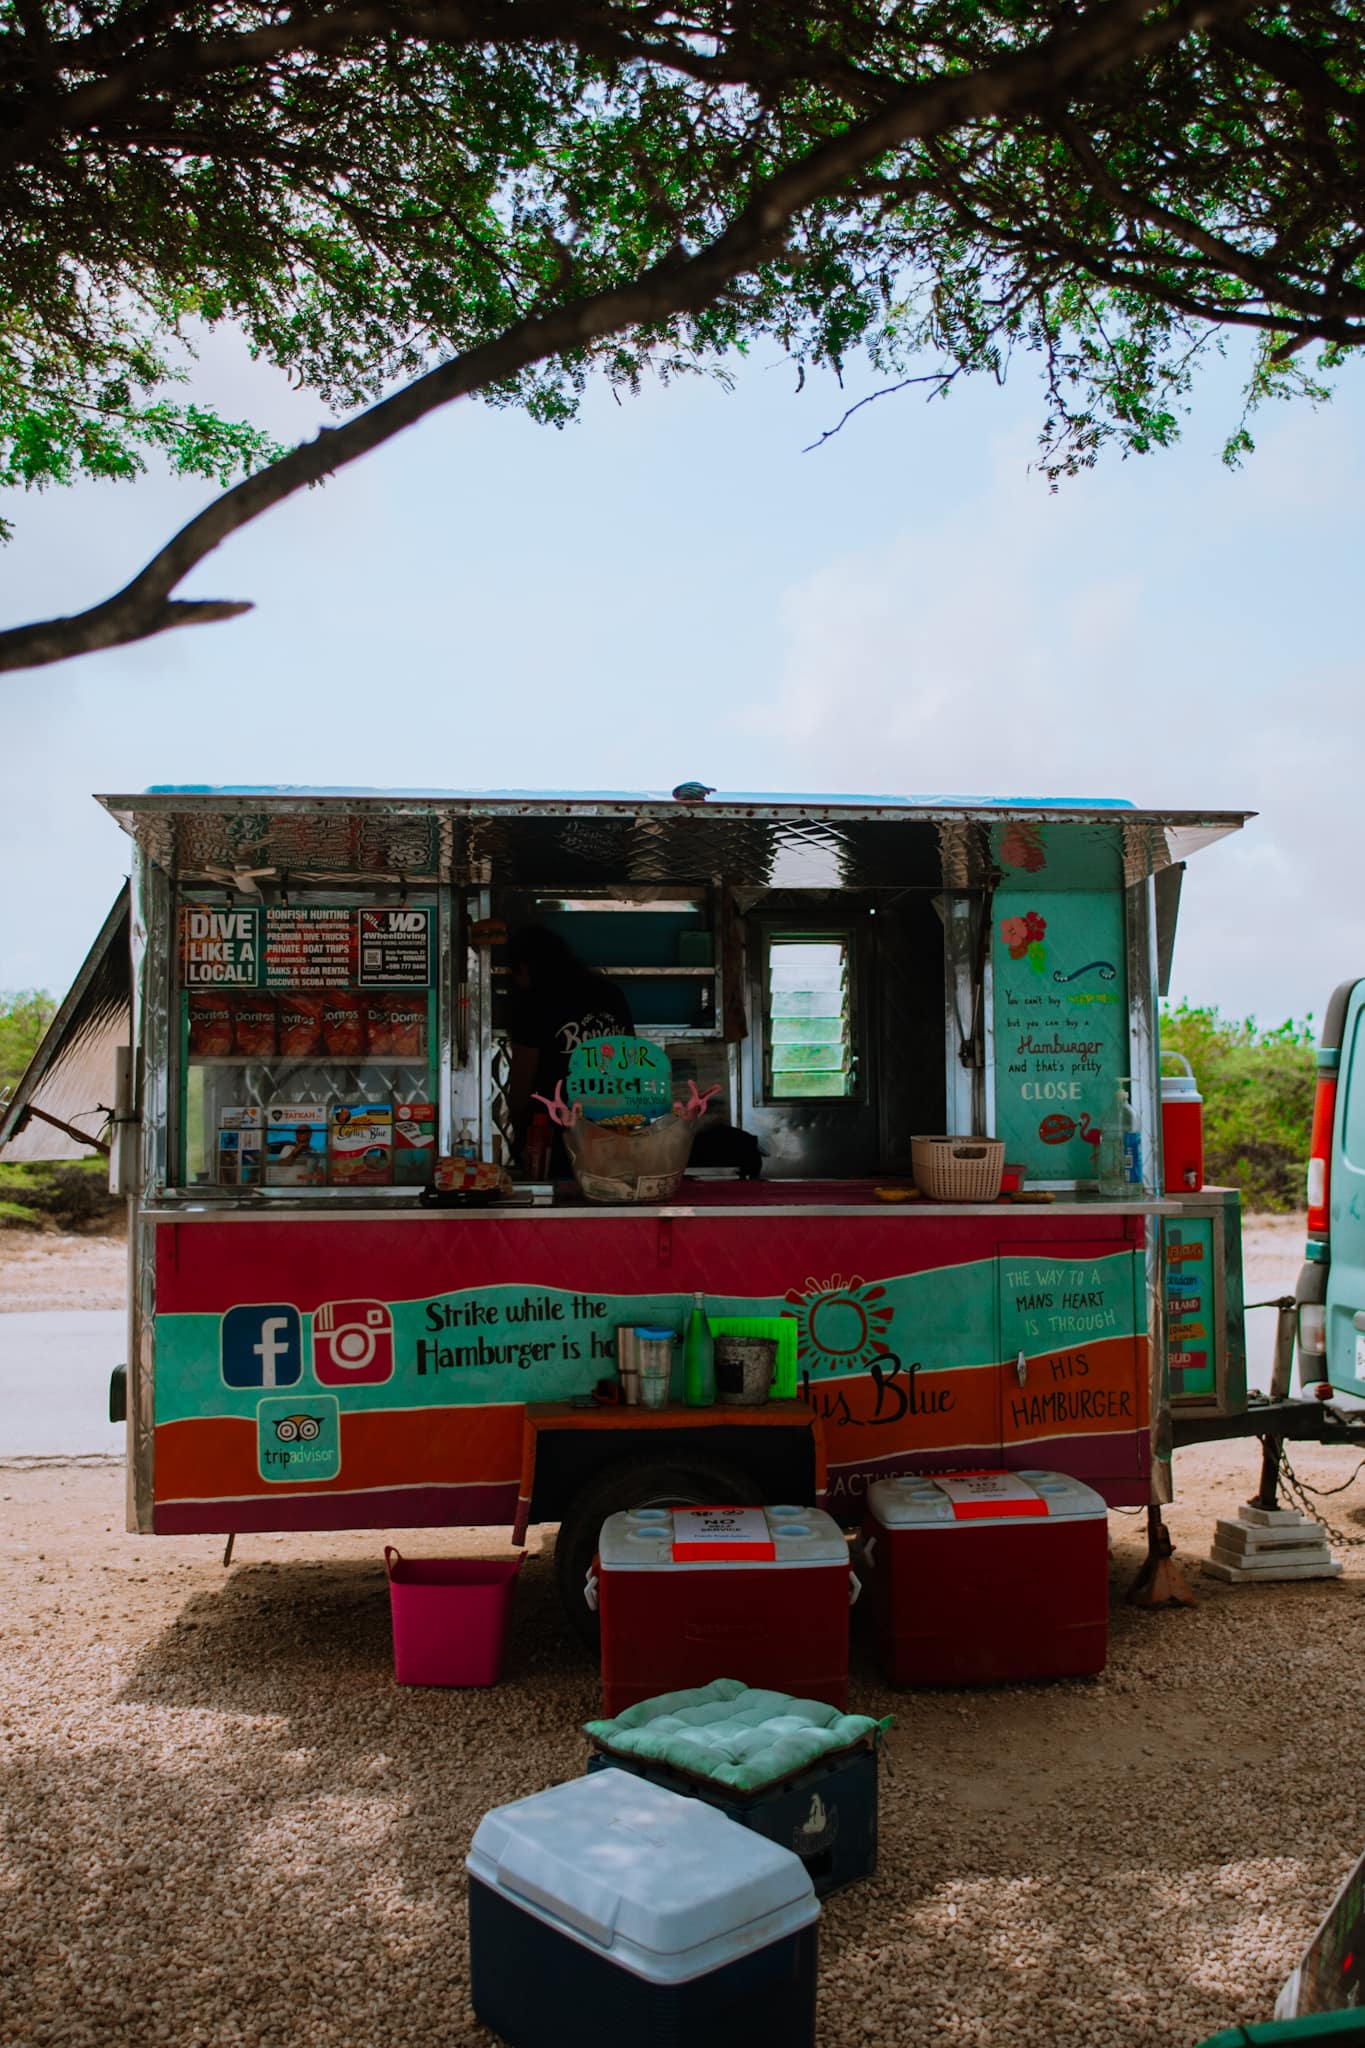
(732,1734)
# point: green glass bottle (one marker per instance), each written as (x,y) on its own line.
(699,1360)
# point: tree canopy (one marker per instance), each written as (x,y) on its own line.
(401,205)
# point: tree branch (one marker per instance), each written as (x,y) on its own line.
(1019,81)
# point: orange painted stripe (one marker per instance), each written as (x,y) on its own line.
(1057,1394)
(214,1457)
(939,1411)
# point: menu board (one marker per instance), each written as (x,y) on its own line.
(1187,1268)
(306,946)
(1061,1024)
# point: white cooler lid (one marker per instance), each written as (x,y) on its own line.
(720,1539)
(668,1887)
(918,1501)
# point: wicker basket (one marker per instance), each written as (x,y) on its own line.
(958,1169)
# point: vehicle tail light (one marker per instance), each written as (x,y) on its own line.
(1312,1331)
(1320,1155)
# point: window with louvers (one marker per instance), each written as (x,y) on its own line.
(809,1023)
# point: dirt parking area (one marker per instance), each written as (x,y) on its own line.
(46,1270)
(225,1824)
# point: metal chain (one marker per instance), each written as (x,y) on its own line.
(1299,1492)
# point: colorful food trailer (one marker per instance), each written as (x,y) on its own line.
(319,1011)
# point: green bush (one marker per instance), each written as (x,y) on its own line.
(1257,1084)
(24,1017)
(58,1194)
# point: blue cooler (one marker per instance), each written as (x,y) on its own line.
(610,1913)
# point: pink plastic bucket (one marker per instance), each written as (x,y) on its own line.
(449,1617)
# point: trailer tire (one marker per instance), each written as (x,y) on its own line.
(662,1483)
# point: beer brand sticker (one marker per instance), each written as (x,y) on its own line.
(719,1535)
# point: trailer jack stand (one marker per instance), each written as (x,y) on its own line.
(1160,1582)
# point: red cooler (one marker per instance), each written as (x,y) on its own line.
(688,1595)
(978,1577)
(1182,1129)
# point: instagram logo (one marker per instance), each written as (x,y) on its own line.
(352,1342)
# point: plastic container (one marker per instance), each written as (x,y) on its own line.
(611,1913)
(449,1617)
(690,1595)
(642,1165)
(1120,1161)
(744,1370)
(783,1331)
(985,1577)
(958,1169)
(654,1363)
(1182,1129)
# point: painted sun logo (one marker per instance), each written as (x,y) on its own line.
(840,1323)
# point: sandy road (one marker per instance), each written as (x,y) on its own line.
(224,1824)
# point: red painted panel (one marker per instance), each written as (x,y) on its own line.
(203,1267)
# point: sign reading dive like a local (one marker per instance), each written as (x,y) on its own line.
(305,946)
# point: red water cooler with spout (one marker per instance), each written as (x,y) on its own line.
(1182,1129)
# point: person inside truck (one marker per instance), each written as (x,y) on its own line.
(557,1001)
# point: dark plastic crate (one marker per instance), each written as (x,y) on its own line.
(837,1849)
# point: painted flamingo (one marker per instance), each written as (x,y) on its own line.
(1090,1132)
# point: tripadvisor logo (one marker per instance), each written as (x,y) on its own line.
(295,1442)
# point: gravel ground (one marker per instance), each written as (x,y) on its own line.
(225,1824)
(45,1270)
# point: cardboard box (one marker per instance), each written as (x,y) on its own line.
(362,1145)
(296,1145)
(239,1147)
(414,1144)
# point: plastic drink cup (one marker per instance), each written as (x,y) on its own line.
(654,1352)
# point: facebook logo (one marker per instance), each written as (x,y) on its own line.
(262,1346)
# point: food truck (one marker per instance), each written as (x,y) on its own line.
(318,1012)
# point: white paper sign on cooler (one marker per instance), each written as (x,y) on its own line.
(701,1533)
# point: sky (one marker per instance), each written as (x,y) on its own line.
(673,588)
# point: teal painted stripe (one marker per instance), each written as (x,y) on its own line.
(491,1344)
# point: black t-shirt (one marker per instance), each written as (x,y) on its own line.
(556,1020)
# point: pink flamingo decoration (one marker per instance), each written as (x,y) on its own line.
(1091,1132)
(695,1105)
(560,1111)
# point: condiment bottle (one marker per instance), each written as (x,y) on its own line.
(699,1360)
